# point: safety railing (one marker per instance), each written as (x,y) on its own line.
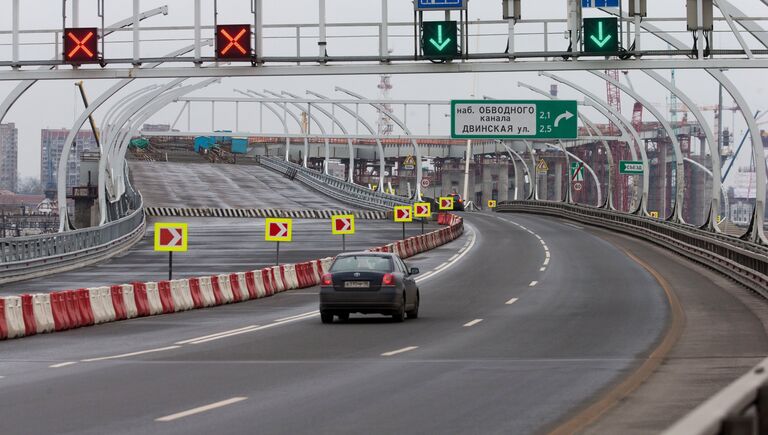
(340,190)
(742,261)
(34,256)
(740,408)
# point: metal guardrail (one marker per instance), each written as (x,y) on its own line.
(340,190)
(33,256)
(742,261)
(739,408)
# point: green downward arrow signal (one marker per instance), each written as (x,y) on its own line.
(440,44)
(600,40)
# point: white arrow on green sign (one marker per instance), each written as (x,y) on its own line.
(631,167)
(514,119)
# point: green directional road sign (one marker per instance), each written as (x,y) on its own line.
(514,119)
(631,167)
(439,40)
(601,35)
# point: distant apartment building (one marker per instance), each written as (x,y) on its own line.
(51,145)
(9,157)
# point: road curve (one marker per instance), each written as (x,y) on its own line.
(534,319)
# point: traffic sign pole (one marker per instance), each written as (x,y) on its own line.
(277,255)
(170,265)
(343,243)
(403,230)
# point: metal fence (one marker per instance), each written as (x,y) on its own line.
(745,262)
(338,189)
(29,257)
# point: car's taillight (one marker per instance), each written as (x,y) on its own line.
(327,279)
(388,279)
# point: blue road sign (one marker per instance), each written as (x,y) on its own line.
(600,3)
(440,4)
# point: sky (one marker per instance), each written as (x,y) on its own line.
(55,104)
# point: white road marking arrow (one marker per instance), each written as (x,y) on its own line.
(564,116)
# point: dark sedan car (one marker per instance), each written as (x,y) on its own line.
(369,283)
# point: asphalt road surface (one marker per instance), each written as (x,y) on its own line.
(518,330)
(218,246)
(168,184)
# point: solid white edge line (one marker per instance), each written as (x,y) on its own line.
(297,316)
(125,355)
(398,351)
(450,263)
(511,301)
(533,283)
(215,335)
(64,364)
(258,328)
(472,323)
(200,409)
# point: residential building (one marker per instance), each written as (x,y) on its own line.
(9,157)
(51,145)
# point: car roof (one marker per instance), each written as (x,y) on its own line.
(366,253)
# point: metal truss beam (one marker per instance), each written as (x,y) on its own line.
(378,69)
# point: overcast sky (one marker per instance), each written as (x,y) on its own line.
(55,104)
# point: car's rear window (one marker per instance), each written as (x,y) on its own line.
(362,263)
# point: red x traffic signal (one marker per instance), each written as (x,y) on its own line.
(233,41)
(81,45)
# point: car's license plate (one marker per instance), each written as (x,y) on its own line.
(357,284)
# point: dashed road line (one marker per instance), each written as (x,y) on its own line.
(399,351)
(533,284)
(200,409)
(542,269)
(511,301)
(472,323)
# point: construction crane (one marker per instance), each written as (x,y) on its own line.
(90,117)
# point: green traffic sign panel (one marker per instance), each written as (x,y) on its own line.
(601,35)
(631,167)
(577,171)
(514,119)
(439,39)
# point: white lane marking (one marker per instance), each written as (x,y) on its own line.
(454,256)
(542,241)
(297,316)
(572,225)
(511,301)
(537,236)
(546,248)
(215,335)
(254,329)
(201,409)
(542,269)
(546,261)
(395,352)
(472,323)
(443,267)
(64,364)
(533,284)
(546,253)
(126,355)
